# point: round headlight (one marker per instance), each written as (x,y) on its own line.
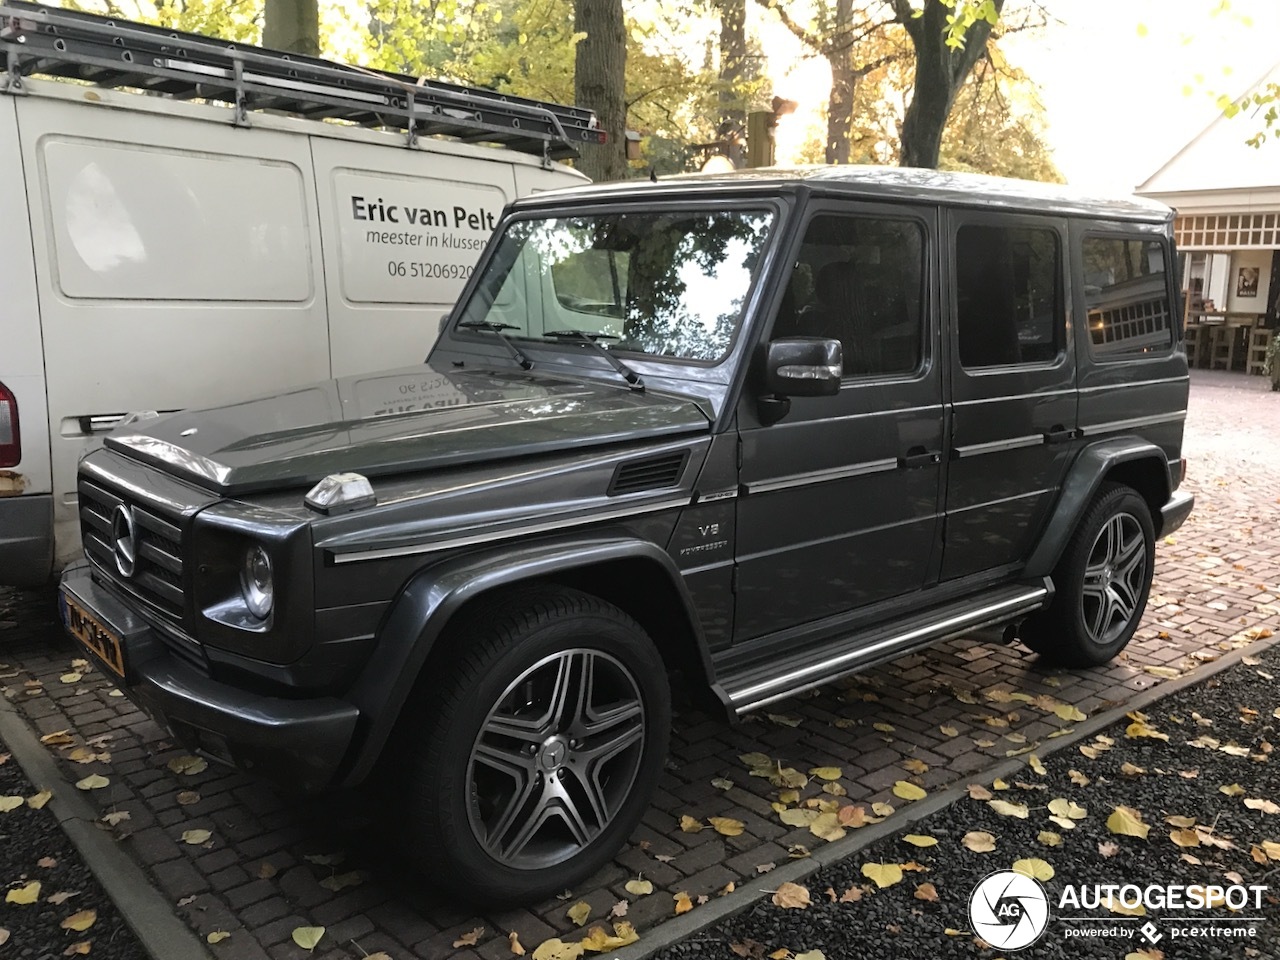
(256,582)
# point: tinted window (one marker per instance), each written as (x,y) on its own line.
(1008,294)
(859,280)
(1126,296)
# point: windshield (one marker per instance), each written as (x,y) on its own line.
(662,284)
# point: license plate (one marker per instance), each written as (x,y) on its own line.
(89,631)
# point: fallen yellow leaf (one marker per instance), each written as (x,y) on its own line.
(792,896)
(979,841)
(927,892)
(1127,821)
(26,894)
(827,773)
(1035,868)
(92,782)
(217,936)
(905,790)
(727,826)
(639,887)
(690,825)
(190,766)
(683,902)
(882,874)
(40,799)
(10,803)
(579,912)
(196,837)
(80,922)
(307,937)
(557,949)
(513,943)
(826,826)
(1007,808)
(919,840)
(1049,838)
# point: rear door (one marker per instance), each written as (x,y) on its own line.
(178,265)
(838,506)
(403,230)
(1013,386)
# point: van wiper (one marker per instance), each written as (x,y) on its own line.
(489,326)
(592,340)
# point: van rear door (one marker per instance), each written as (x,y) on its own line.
(177,262)
(25,501)
(403,230)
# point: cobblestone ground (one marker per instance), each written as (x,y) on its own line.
(272,863)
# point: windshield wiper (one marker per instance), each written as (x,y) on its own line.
(496,329)
(592,340)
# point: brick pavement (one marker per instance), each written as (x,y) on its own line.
(932,719)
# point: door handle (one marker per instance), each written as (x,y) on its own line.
(919,457)
(1059,434)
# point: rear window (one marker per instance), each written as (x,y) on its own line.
(1126,297)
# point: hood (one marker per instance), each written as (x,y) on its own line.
(418,418)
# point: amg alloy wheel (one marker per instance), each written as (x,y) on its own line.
(1101,583)
(555,758)
(535,746)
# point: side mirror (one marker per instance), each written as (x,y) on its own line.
(803,367)
(444,323)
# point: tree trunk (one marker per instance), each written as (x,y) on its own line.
(733,59)
(844,82)
(599,78)
(292,25)
(940,72)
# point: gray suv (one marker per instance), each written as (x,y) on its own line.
(746,433)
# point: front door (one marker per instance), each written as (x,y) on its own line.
(1013,387)
(839,500)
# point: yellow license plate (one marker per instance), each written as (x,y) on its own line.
(89,631)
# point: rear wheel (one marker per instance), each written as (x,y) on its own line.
(542,745)
(1101,583)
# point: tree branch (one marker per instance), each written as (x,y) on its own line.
(801,34)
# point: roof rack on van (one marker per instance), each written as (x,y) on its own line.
(48,41)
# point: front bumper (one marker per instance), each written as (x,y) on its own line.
(1174,513)
(300,743)
(26,540)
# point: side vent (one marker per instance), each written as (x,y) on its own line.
(651,473)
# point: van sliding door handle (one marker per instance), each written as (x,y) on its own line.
(1059,434)
(919,457)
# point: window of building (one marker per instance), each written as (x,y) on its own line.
(1009,295)
(860,280)
(1126,296)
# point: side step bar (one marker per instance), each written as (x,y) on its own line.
(760,684)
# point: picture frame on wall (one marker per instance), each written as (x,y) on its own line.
(1247,282)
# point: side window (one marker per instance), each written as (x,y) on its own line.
(860,280)
(1126,296)
(1009,295)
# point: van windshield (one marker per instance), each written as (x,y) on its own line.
(665,284)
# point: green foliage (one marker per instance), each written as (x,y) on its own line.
(239,21)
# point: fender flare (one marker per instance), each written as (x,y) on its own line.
(420,613)
(1080,485)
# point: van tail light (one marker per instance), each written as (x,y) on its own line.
(10,436)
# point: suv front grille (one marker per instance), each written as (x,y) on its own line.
(157,572)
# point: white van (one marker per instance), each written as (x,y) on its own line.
(159,253)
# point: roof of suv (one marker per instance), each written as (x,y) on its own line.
(899,183)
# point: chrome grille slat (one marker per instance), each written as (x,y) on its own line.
(157,577)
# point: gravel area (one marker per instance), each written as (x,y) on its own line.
(1215,769)
(33,848)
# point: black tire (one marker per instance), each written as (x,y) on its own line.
(482,760)
(1102,583)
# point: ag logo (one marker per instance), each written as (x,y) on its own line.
(1009,910)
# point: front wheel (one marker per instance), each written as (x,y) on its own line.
(1102,583)
(542,745)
